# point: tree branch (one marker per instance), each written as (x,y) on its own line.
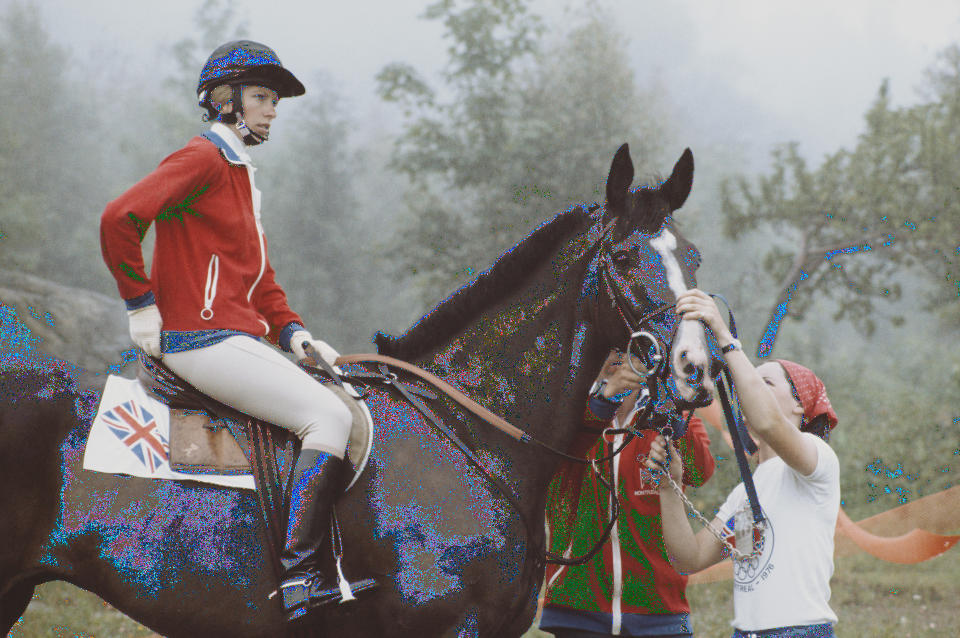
(805,264)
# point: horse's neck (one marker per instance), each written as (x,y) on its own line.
(531,357)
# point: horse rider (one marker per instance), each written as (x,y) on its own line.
(211,301)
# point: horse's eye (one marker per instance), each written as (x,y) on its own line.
(623,259)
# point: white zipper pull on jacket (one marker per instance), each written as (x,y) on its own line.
(210,290)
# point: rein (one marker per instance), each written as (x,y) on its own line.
(452,392)
(504,426)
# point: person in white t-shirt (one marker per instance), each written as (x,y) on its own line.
(782,578)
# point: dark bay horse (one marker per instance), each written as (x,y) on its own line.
(453,558)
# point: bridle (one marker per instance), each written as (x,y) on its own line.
(655,371)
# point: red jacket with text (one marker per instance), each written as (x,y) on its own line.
(210,269)
(631,575)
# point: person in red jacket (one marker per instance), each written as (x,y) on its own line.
(629,587)
(211,302)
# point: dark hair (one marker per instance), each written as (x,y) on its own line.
(820,425)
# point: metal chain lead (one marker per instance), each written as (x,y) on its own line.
(736,553)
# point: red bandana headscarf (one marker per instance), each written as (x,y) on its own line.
(810,391)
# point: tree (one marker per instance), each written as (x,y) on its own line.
(319,241)
(163,113)
(529,129)
(850,229)
(46,132)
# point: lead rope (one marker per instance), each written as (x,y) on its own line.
(734,425)
(736,553)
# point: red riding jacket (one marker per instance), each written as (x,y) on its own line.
(210,269)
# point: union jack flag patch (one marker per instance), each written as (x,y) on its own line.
(138,430)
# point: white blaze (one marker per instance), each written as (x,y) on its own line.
(690,343)
(665,243)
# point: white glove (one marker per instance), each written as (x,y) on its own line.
(145,324)
(322,347)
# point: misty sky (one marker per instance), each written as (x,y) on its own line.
(748,72)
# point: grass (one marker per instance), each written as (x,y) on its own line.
(873,599)
(60,610)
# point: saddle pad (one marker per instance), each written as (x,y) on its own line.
(361,432)
(198,446)
(131,433)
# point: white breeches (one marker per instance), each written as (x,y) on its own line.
(256,379)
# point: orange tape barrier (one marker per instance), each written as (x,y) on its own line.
(919,524)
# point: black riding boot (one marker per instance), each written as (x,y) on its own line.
(314,484)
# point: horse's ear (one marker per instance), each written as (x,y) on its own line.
(677,187)
(619,180)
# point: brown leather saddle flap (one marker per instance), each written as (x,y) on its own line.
(200,446)
(206,437)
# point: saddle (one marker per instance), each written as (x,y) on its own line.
(209,437)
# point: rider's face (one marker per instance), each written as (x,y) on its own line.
(259,108)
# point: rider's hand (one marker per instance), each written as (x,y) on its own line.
(657,458)
(620,376)
(697,305)
(326,352)
(145,325)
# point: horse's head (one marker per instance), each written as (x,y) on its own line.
(644,264)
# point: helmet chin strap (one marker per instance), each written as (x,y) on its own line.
(249,137)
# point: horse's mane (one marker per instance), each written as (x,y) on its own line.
(502,278)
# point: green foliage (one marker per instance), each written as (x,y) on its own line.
(46,132)
(176,117)
(317,236)
(852,228)
(529,129)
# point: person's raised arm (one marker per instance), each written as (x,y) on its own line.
(759,405)
(687,552)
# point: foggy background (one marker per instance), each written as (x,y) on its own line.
(371,222)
